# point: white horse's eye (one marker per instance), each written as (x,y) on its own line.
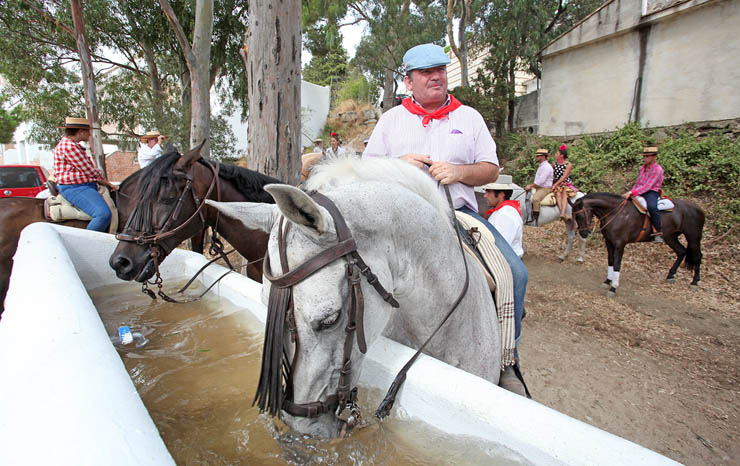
(328,322)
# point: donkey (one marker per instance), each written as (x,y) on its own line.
(404,233)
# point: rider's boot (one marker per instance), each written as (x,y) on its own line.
(658,237)
(536,216)
(513,382)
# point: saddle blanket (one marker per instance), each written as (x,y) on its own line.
(59,209)
(504,292)
(663,204)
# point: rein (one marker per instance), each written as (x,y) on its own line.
(156,250)
(275,387)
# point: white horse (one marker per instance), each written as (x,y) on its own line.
(550,214)
(403,230)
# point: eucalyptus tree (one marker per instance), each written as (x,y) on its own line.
(141,72)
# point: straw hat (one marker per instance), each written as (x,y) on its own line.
(72,122)
(544,152)
(650,151)
(502,182)
(150,135)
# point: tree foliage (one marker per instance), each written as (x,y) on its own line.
(140,70)
(9,121)
(512,32)
(394,26)
(329,58)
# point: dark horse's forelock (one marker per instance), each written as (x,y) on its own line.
(154,177)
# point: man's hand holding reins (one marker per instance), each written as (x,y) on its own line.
(627,195)
(417,160)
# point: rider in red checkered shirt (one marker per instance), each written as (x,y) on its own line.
(76,176)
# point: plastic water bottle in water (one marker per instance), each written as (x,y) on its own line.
(124,333)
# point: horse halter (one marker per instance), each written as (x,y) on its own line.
(156,250)
(275,388)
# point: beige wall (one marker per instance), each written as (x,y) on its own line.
(692,68)
(589,89)
(691,73)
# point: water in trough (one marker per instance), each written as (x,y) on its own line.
(197,376)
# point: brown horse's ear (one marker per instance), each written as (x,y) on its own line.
(186,161)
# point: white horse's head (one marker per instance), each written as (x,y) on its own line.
(398,221)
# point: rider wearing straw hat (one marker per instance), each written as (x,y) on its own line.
(152,149)
(649,181)
(505,214)
(77,177)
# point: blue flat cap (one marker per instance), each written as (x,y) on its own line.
(425,56)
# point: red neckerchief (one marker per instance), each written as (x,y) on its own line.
(417,109)
(514,204)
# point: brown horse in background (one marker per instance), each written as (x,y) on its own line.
(170,208)
(621,223)
(16,213)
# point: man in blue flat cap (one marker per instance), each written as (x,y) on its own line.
(433,129)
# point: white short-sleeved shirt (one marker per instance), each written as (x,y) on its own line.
(329,153)
(461,138)
(508,222)
(148,154)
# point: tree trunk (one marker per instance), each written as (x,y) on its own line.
(274,75)
(198,59)
(388,85)
(512,95)
(88,82)
(200,82)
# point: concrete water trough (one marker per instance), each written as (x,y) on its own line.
(67,399)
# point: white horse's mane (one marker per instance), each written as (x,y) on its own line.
(350,170)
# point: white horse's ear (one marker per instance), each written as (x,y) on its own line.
(253,215)
(300,209)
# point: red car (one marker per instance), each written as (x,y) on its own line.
(22,180)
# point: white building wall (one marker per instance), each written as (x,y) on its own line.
(589,89)
(692,67)
(691,70)
(315,102)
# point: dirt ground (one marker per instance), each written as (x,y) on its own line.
(659,364)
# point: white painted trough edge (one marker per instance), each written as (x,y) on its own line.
(65,396)
(440,395)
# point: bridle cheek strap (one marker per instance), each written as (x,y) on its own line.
(282,309)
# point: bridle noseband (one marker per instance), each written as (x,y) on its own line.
(275,388)
(156,250)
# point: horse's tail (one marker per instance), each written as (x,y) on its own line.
(695,221)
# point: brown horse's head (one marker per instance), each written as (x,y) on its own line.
(165,212)
(583,216)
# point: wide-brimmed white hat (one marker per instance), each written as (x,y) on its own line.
(502,182)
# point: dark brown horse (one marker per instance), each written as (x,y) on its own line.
(170,208)
(621,223)
(16,213)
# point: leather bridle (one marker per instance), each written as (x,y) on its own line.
(275,389)
(154,240)
(618,208)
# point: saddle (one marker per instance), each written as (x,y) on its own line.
(58,209)
(641,205)
(482,247)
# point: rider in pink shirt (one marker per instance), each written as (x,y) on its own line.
(648,184)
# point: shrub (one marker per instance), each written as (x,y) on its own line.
(706,169)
